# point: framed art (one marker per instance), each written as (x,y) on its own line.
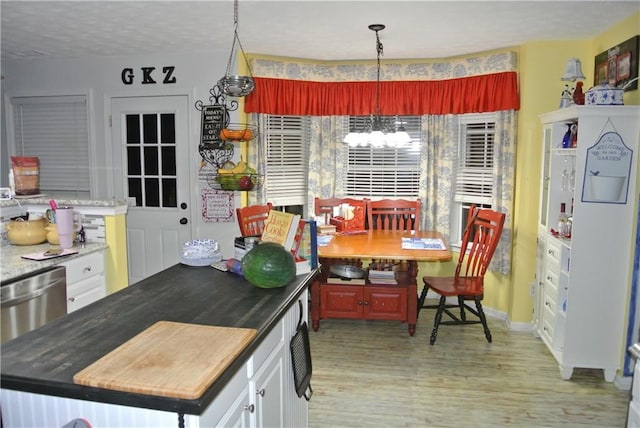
(618,65)
(602,72)
(624,66)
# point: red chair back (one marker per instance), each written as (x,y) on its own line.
(394,214)
(251,218)
(479,242)
(324,206)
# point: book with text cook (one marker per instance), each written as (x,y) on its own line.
(281,227)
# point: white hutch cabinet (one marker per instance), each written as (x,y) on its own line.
(583,281)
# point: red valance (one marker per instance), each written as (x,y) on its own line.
(476,94)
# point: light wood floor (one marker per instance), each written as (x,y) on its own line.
(373,374)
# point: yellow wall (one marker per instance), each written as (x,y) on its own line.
(116,268)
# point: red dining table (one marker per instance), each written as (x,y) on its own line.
(339,298)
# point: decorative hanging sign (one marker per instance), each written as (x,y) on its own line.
(215,117)
(607,169)
(213,120)
(217,206)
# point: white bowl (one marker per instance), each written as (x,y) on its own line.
(200,252)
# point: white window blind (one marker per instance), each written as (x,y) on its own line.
(287,159)
(384,172)
(474,169)
(55,129)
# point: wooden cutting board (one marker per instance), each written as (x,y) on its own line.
(168,359)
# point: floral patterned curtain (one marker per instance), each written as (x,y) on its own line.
(327,157)
(504,184)
(257,158)
(439,145)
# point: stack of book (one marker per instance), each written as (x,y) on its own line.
(297,235)
(382,277)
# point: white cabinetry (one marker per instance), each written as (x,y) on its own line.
(86,281)
(583,281)
(258,396)
(262,394)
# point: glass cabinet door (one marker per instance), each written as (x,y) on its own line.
(544,190)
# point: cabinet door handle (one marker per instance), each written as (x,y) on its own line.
(87,269)
(250,407)
(260,392)
(366,303)
(359,302)
(72,299)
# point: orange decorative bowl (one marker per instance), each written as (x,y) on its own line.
(231,134)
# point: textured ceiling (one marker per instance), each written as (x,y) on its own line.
(323,30)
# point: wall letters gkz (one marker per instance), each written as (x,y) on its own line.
(148,75)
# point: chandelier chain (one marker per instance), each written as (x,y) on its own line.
(380,52)
(236,39)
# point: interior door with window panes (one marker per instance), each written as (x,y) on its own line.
(152,171)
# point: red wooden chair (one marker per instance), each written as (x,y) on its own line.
(394,214)
(479,242)
(251,218)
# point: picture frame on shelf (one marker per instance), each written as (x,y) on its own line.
(618,65)
(602,72)
(624,66)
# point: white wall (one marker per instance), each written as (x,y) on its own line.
(100,78)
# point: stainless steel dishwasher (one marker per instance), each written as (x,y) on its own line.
(30,302)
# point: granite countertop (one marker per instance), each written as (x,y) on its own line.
(14,266)
(45,360)
(63,202)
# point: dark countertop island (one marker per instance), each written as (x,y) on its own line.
(45,360)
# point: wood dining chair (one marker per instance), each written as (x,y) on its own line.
(479,242)
(394,214)
(251,218)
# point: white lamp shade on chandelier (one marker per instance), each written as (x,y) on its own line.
(378,131)
(377,138)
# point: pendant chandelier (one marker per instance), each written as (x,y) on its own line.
(379,131)
(234,85)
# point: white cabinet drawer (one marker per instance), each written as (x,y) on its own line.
(554,253)
(551,281)
(85,292)
(550,303)
(548,324)
(84,267)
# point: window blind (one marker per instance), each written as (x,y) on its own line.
(55,129)
(384,172)
(287,159)
(474,169)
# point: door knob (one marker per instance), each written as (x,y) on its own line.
(184,220)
